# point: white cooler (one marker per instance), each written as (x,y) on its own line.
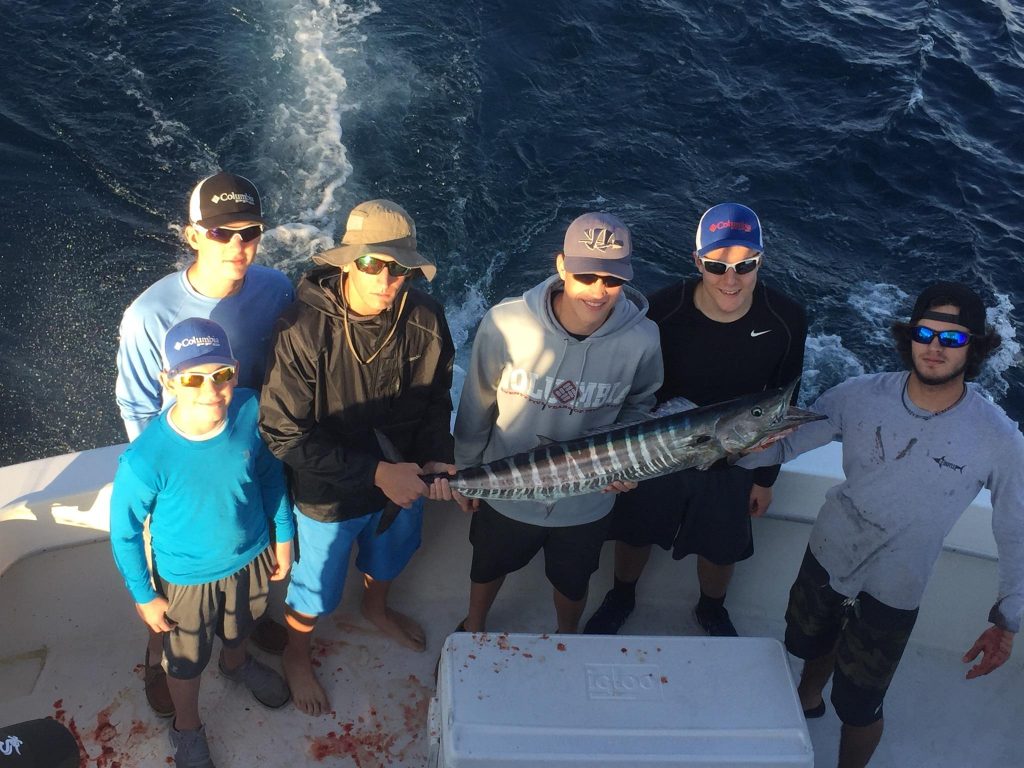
(512,701)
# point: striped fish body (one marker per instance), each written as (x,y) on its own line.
(668,443)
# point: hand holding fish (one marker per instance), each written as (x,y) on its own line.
(400,482)
(439,490)
(769,441)
(620,486)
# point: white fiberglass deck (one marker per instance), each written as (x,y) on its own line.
(71,647)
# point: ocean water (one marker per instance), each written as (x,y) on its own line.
(881,141)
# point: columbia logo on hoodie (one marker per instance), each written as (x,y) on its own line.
(562,393)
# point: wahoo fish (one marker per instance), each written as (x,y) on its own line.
(671,440)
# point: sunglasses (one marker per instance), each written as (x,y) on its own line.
(588,278)
(744,267)
(924,335)
(195,379)
(224,234)
(372,266)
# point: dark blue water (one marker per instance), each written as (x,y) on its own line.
(881,141)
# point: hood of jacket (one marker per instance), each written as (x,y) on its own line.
(630,309)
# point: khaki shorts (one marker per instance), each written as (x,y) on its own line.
(226,608)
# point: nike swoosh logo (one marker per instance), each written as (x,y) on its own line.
(755,334)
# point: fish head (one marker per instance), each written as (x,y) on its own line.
(756,417)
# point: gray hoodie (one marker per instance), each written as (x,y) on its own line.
(530,381)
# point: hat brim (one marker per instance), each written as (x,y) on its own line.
(407,257)
(728,242)
(582,265)
(229,218)
(195,362)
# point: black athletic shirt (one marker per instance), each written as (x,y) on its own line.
(707,361)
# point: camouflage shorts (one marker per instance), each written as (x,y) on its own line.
(869,638)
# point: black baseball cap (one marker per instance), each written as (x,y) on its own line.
(224,198)
(971,310)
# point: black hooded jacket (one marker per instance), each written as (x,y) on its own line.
(320,406)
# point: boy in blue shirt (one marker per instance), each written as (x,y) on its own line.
(209,485)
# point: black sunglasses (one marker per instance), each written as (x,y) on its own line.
(372,266)
(224,234)
(588,278)
(744,267)
(922,334)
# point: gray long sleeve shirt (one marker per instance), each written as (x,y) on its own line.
(909,476)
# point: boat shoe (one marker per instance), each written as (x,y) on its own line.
(154,679)
(266,685)
(191,749)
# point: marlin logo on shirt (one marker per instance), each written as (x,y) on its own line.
(11,746)
(941,461)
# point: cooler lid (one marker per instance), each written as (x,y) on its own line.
(548,699)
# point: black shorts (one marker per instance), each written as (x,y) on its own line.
(502,546)
(871,638)
(226,608)
(689,512)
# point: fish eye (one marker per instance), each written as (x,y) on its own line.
(757,412)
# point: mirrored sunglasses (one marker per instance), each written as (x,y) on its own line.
(224,234)
(922,334)
(744,267)
(195,379)
(372,266)
(588,278)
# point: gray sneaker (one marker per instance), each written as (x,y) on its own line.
(190,748)
(266,685)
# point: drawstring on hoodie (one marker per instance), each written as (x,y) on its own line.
(394,327)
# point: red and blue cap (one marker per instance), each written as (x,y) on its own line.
(728,224)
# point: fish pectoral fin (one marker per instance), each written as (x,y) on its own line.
(675,405)
(543,440)
(705,466)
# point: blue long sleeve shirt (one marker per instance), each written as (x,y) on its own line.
(209,502)
(247,317)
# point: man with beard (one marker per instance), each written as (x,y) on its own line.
(918,446)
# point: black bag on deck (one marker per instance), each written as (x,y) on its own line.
(37,744)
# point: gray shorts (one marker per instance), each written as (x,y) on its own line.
(226,608)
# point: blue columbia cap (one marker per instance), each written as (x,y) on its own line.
(728,224)
(195,342)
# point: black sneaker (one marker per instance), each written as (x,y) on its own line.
(715,622)
(610,615)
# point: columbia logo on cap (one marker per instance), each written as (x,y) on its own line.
(197,341)
(237,197)
(740,225)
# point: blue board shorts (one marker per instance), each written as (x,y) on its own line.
(318,576)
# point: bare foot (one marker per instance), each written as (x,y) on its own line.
(399,627)
(307,693)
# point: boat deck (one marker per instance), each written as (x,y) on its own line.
(70,639)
